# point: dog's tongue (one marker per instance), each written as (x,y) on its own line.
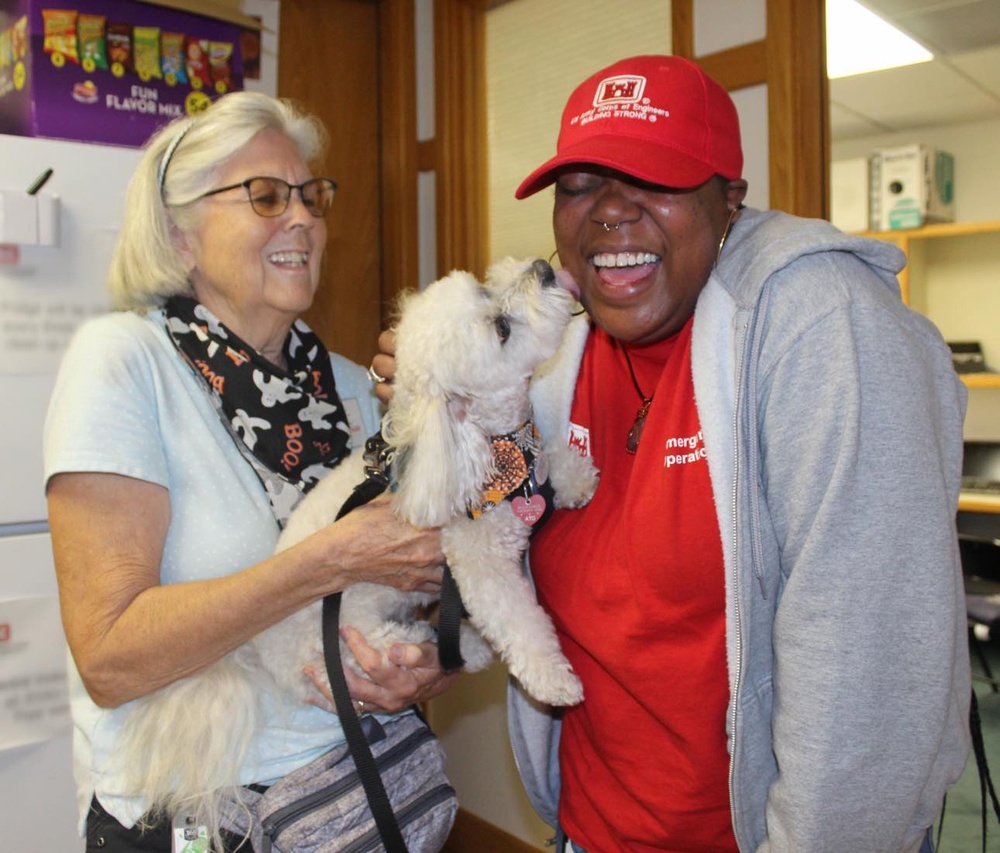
(566,281)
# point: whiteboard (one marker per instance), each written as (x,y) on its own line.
(48,293)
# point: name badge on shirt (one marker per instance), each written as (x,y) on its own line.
(188,835)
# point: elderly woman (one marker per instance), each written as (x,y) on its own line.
(170,464)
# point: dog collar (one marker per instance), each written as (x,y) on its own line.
(521,477)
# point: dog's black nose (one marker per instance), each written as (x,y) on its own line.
(546,275)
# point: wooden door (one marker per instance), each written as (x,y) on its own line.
(351,63)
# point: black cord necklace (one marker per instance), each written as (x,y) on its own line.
(635,433)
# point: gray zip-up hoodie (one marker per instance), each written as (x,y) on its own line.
(832,419)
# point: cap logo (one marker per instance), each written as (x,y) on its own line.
(626,89)
(619,97)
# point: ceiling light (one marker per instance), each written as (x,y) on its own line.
(859,41)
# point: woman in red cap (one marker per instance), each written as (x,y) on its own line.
(764,599)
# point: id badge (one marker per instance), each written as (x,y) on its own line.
(188,835)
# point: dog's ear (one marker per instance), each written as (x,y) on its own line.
(443,461)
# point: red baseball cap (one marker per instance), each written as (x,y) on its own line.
(660,119)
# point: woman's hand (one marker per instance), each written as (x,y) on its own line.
(372,544)
(411,675)
(384,364)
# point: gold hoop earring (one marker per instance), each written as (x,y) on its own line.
(725,234)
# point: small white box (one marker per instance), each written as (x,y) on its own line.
(29,220)
(849,194)
(910,186)
(18,217)
(48,219)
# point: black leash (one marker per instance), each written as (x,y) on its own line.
(983,769)
(357,738)
(450,617)
(979,750)
(360,732)
(451,611)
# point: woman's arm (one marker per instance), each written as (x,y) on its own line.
(130,635)
(861,440)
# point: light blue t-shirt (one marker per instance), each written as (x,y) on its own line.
(126,403)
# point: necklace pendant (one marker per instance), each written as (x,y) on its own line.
(635,433)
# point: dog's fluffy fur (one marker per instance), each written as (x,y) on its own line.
(465,354)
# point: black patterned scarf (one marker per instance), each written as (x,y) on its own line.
(290,425)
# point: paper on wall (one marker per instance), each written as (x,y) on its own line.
(34,700)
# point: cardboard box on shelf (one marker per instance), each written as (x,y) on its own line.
(911,185)
(113,71)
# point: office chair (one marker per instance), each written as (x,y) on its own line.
(981,568)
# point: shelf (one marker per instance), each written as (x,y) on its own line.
(981,380)
(972,502)
(940,229)
(950,267)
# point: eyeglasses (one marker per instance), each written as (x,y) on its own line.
(269,196)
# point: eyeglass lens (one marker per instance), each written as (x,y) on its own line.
(269,196)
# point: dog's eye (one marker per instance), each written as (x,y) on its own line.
(502,325)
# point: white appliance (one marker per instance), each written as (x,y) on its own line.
(44,294)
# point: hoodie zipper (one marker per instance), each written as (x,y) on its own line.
(745,369)
(737,614)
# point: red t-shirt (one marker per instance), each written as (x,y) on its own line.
(634,583)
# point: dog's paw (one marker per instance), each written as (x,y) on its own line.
(553,685)
(476,652)
(574,477)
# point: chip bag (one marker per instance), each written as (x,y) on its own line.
(60,34)
(220,64)
(197,64)
(172,57)
(120,45)
(90,34)
(19,37)
(146,47)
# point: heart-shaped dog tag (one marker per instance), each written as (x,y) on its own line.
(529,510)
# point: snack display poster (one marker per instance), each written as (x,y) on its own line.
(110,71)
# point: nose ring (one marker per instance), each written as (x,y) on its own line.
(608,227)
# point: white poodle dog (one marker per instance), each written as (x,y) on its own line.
(465,457)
